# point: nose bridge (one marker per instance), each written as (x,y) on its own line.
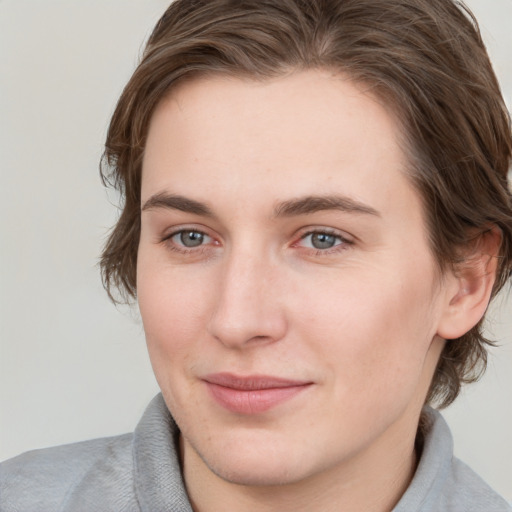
(247,307)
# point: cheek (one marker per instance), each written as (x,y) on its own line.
(173,307)
(374,333)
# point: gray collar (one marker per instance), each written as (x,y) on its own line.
(158,481)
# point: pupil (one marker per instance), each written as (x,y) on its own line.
(191,238)
(323,240)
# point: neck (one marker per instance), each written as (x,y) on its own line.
(372,481)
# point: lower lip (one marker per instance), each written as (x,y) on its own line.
(253,401)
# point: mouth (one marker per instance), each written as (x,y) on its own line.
(253,394)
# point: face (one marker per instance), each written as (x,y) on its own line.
(289,298)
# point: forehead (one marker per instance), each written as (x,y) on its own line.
(308,132)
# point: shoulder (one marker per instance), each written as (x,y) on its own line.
(464,488)
(442,482)
(44,479)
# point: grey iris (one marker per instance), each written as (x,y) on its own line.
(322,240)
(191,238)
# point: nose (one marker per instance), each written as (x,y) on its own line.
(248,309)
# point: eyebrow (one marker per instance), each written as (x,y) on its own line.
(312,204)
(177,202)
(299,206)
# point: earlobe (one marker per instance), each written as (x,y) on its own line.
(469,288)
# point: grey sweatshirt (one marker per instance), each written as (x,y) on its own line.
(140,472)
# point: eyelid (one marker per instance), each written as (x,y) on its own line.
(205,238)
(345,241)
(167,237)
(174,230)
(310,230)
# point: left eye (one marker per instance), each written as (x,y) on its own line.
(190,238)
(321,241)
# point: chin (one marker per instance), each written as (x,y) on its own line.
(257,458)
(263,471)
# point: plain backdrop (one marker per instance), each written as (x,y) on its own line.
(72,366)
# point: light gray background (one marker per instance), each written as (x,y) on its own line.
(71,366)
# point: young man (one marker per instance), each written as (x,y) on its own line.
(316,216)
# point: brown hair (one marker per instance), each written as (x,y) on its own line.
(424,58)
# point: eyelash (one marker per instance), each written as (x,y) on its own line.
(182,249)
(342,244)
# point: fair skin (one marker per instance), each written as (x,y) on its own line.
(283,246)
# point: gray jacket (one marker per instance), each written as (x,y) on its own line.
(141,472)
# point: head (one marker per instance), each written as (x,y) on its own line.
(424,61)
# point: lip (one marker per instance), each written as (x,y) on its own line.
(252,394)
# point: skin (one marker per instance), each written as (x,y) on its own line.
(361,321)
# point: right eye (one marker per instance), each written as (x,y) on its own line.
(190,238)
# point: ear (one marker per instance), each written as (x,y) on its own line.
(469,287)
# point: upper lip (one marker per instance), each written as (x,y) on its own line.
(252,382)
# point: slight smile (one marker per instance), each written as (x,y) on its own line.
(252,394)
